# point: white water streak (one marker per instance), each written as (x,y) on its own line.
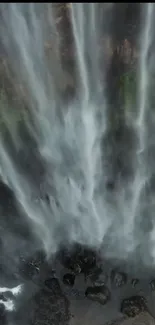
(141,176)
(70,147)
(78,23)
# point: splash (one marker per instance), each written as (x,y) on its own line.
(8,303)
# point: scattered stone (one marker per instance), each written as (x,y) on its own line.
(80,260)
(69,279)
(88,259)
(100,294)
(118,278)
(152,285)
(93,274)
(133,306)
(101,280)
(71,261)
(30,267)
(50,307)
(134,282)
(53,284)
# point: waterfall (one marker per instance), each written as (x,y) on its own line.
(73,203)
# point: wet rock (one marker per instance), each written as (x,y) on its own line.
(80,260)
(93,274)
(30,267)
(70,261)
(50,306)
(133,306)
(118,278)
(54,285)
(134,282)
(7,198)
(101,280)
(100,294)
(2,297)
(7,296)
(3,319)
(6,194)
(69,279)
(152,285)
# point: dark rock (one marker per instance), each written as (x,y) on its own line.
(80,260)
(14,297)
(133,306)
(7,198)
(2,297)
(6,194)
(152,285)
(3,319)
(88,259)
(7,295)
(100,294)
(50,306)
(30,267)
(69,279)
(71,261)
(134,282)
(54,285)
(101,279)
(118,278)
(93,274)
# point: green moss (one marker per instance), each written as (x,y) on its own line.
(128,89)
(11,114)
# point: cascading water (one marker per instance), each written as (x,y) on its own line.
(70,146)
(68,136)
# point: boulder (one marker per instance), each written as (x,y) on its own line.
(50,305)
(118,278)
(99,294)
(134,282)
(152,285)
(69,279)
(79,260)
(133,306)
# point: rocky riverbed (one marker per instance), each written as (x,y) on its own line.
(76,287)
